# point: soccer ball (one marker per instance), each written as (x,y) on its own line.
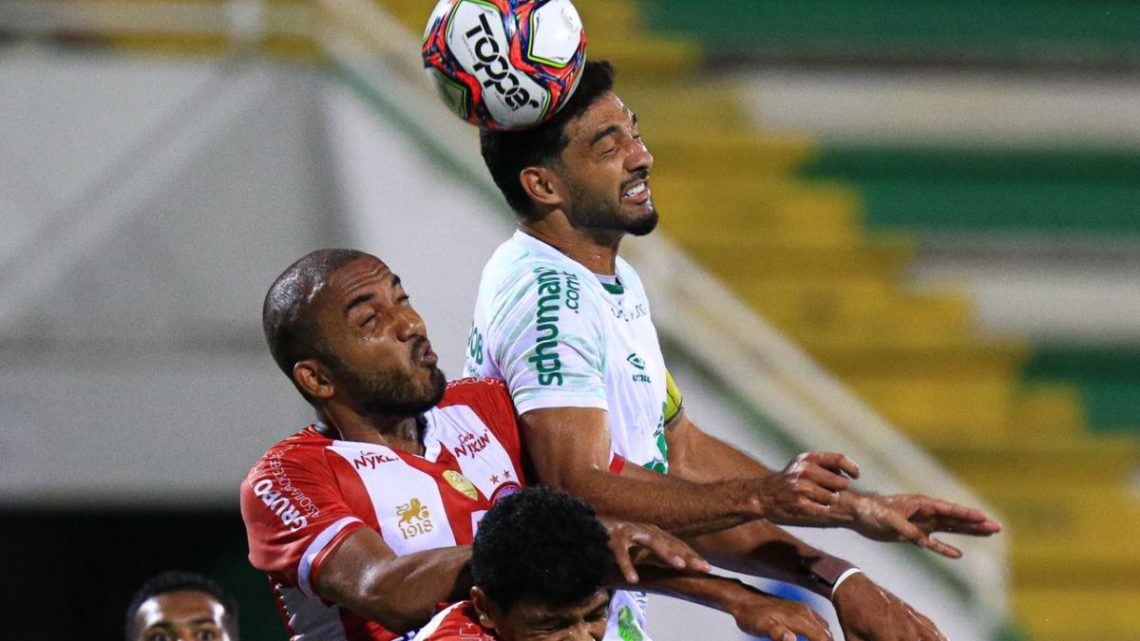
(504,64)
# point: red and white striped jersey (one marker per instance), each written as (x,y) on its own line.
(458,622)
(309,492)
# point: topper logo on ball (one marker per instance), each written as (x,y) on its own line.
(495,66)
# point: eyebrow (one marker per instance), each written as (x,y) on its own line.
(612,129)
(167,625)
(359,300)
(367,296)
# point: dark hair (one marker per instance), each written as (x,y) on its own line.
(287,315)
(507,153)
(176,581)
(540,545)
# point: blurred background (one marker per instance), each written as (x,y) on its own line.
(909,231)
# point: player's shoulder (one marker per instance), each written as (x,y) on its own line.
(475,390)
(523,263)
(457,622)
(303,445)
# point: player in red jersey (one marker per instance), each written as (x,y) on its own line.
(362,519)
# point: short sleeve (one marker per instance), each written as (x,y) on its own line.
(294,514)
(548,340)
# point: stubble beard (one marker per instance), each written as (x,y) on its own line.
(390,393)
(591,211)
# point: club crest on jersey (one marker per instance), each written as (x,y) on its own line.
(415,519)
(505,490)
(460,482)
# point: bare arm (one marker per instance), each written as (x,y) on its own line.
(697,456)
(569,448)
(756,613)
(401,593)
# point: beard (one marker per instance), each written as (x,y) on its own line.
(390,392)
(594,211)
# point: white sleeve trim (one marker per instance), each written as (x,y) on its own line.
(305,568)
(547,401)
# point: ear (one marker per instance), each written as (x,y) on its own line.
(484,607)
(543,186)
(310,376)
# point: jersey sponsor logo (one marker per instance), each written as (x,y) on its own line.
(460,482)
(475,345)
(470,445)
(639,363)
(627,625)
(415,519)
(373,459)
(279,504)
(555,291)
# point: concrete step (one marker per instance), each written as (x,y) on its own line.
(777,211)
(688,110)
(749,258)
(1049,408)
(1078,461)
(643,59)
(1080,614)
(1051,519)
(731,157)
(812,315)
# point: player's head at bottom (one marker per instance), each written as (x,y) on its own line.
(542,564)
(181,606)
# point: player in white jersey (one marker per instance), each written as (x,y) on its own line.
(361,519)
(565,322)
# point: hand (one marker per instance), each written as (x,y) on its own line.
(804,491)
(640,543)
(762,615)
(867,612)
(913,517)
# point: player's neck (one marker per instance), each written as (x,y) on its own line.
(401,433)
(596,250)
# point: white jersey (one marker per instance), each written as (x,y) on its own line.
(561,337)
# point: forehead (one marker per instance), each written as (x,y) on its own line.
(172,607)
(360,271)
(606,111)
(538,611)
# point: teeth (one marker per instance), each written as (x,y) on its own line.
(640,187)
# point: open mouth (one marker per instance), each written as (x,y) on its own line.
(636,192)
(425,355)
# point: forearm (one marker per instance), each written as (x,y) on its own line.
(717,592)
(402,593)
(762,549)
(678,506)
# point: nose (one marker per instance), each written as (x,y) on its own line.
(589,631)
(410,325)
(639,158)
